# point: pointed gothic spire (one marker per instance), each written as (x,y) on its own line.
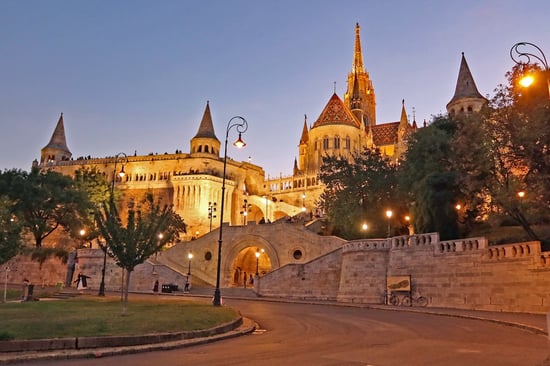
(403,113)
(58,140)
(357,66)
(305,135)
(206,128)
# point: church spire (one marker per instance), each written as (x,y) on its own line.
(360,96)
(56,149)
(305,136)
(357,66)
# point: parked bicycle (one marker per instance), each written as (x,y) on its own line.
(404,299)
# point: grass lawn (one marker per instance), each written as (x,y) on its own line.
(84,316)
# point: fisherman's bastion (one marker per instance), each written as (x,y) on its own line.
(272,229)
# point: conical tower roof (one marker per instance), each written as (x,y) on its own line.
(335,112)
(58,140)
(465,85)
(206,128)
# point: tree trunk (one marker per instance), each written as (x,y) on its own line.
(125,291)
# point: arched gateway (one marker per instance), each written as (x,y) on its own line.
(264,247)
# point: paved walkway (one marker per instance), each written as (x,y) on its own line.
(536,323)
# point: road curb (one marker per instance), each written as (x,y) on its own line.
(247,326)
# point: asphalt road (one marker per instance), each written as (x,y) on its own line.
(323,335)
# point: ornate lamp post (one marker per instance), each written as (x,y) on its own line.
(189,256)
(104,248)
(211,210)
(516,54)
(303,202)
(389,214)
(241,125)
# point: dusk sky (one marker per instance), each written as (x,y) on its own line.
(136,75)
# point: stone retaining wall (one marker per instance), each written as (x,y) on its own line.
(464,273)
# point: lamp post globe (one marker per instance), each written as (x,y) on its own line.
(241,125)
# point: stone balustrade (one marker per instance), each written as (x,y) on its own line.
(366,244)
(513,251)
(461,245)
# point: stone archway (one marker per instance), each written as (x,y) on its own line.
(241,258)
(245,265)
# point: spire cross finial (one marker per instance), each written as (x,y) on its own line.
(335,87)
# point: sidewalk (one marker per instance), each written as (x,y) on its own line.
(536,323)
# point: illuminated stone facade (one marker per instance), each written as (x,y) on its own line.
(192,181)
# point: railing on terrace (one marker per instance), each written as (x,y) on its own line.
(462,245)
(366,244)
(414,241)
(515,251)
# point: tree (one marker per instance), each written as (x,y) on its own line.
(358,191)
(10,231)
(505,150)
(427,181)
(148,228)
(44,201)
(94,184)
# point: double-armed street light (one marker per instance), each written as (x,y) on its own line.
(241,126)
(518,53)
(121,174)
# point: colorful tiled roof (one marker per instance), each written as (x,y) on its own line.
(385,134)
(335,112)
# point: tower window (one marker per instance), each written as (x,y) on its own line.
(336,142)
(325,143)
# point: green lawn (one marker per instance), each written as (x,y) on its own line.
(86,316)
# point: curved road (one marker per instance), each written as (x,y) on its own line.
(323,335)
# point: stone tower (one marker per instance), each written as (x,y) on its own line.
(56,150)
(467,98)
(205,142)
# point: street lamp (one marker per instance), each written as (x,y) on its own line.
(516,54)
(389,214)
(82,232)
(303,202)
(241,125)
(121,174)
(257,261)
(211,210)
(190,256)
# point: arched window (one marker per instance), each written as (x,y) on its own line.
(336,142)
(347,145)
(325,143)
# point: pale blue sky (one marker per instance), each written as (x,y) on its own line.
(136,75)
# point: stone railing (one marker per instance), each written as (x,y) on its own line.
(461,245)
(514,251)
(414,241)
(366,244)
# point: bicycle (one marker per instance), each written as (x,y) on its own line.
(410,300)
(390,299)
